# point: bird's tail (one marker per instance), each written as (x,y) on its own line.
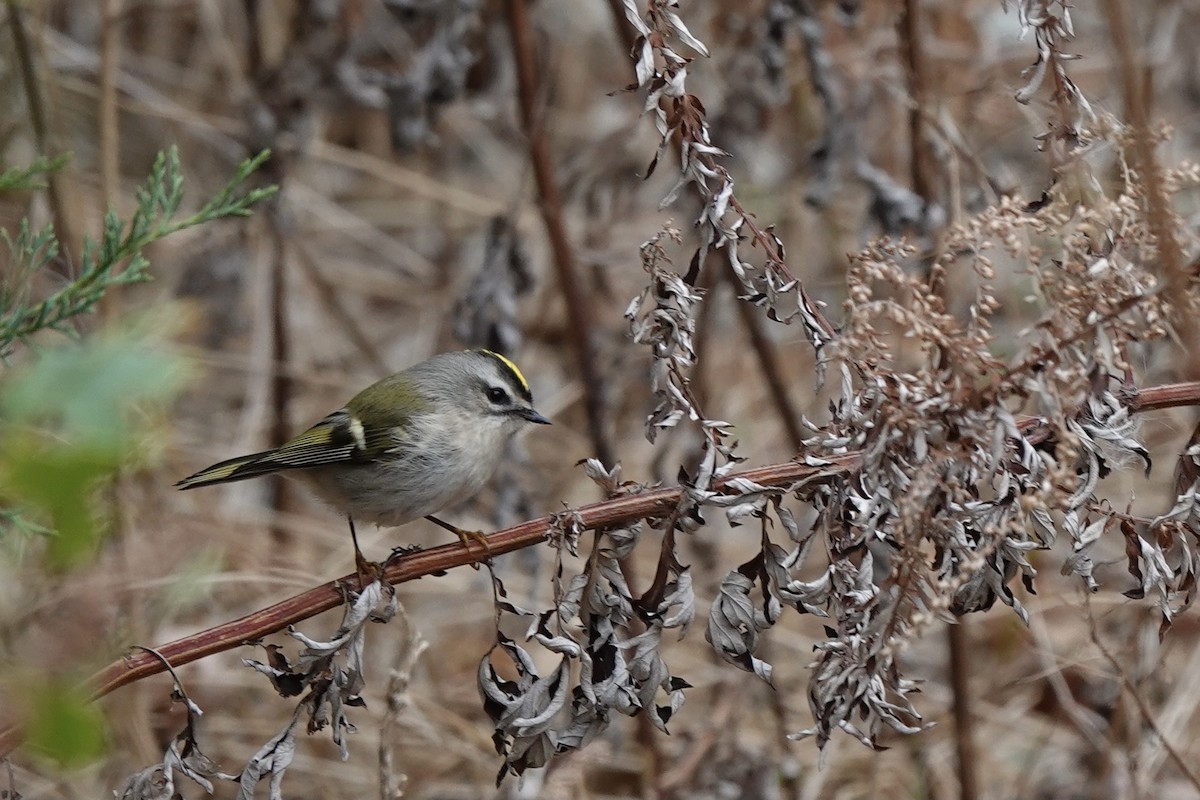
(235,469)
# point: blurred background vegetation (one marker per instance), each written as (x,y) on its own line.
(408,221)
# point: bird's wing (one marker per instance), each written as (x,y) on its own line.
(339,438)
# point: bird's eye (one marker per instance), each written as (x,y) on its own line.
(497,395)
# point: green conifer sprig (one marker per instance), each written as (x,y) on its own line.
(118,258)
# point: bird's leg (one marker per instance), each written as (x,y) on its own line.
(465,536)
(368,571)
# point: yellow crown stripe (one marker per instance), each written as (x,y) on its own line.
(508,363)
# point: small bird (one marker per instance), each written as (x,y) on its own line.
(405,447)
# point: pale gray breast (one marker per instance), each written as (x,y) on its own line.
(439,463)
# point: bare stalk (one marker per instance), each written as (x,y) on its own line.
(579,314)
(37,118)
(1138,94)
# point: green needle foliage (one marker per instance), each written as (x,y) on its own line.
(70,421)
(117,259)
(21,178)
(73,416)
(63,727)
(67,416)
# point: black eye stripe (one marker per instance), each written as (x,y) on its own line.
(497,395)
(512,375)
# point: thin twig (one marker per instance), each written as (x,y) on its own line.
(412,645)
(914,56)
(281,380)
(662,468)
(109,126)
(41,134)
(1182,763)
(329,297)
(964,725)
(921,169)
(579,316)
(683,771)
(1137,90)
(768,365)
(110,41)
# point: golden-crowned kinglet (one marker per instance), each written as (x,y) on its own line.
(410,445)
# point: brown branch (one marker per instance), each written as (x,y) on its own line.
(964,725)
(579,316)
(1138,91)
(1172,395)
(280,379)
(109,133)
(434,561)
(921,167)
(40,125)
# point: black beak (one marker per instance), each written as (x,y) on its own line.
(533,416)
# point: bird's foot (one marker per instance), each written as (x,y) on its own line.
(466,537)
(400,552)
(368,571)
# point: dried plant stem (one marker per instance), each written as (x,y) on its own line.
(109,128)
(579,315)
(281,380)
(775,258)
(768,364)
(37,119)
(914,56)
(109,123)
(625,32)
(789,775)
(683,773)
(1137,89)
(329,297)
(1130,687)
(703,341)
(964,742)
(924,184)
(391,785)
(1066,98)
(617,511)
